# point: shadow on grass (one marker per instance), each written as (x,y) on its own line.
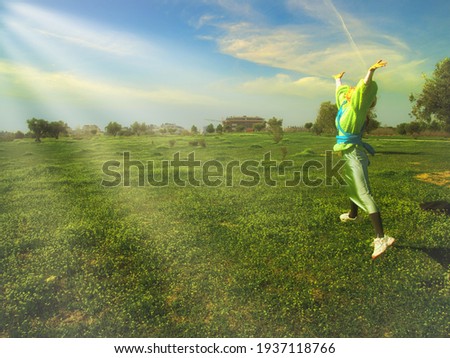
(398,153)
(439,254)
(438,207)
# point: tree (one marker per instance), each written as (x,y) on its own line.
(325,120)
(240,128)
(413,128)
(435,126)
(402,128)
(138,128)
(6,136)
(275,127)
(194,130)
(125,132)
(308,125)
(227,128)
(258,127)
(54,129)
(113,128)
(372,124)
(219,129)
(434,100)
(210,128)
(38,127)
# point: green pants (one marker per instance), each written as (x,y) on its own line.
(357,179)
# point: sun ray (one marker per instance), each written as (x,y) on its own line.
(66,81)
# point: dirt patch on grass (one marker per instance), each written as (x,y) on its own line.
(438,178)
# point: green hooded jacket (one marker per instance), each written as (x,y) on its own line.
(356,109)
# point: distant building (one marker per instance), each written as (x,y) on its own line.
(244,122)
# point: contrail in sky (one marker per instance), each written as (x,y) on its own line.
(349,35)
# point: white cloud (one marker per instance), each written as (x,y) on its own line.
(276,47)
(282,84)
(336,42)
(204,20)
(70,88)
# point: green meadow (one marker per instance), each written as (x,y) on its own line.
(234,256)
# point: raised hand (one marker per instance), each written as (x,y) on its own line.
(378,64)
(338,76)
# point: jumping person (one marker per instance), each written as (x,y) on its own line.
(353,105)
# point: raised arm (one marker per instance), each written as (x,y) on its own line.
(372,69)
(338,79)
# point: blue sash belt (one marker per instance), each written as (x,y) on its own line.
(350,138)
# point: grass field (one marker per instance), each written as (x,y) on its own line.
(79,259)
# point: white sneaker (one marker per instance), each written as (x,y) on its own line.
(346,218)
(380,245)
(389,240)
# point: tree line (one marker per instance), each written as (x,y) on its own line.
(42,128)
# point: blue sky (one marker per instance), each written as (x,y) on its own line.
(193,61)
